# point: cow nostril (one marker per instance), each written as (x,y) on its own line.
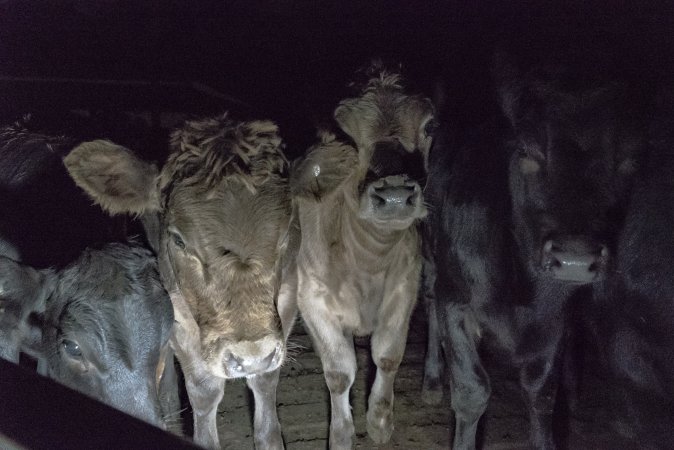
(601,259)
(377,199)
(550,262)
(232,362)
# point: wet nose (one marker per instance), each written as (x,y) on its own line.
(574,260)
(393,194)
(241,363)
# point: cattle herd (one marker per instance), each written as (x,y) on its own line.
(543,231)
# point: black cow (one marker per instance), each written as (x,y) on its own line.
(98,323)
(524,217)
(632,315)
(46,223)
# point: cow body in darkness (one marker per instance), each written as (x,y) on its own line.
(218,214)
(358,200)
(632,316)
(525,213)
(99,324)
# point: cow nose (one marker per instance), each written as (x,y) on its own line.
(574,260)
(241,363)
(394,196)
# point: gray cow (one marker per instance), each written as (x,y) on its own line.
(99,324)
(358,202)
(218,213)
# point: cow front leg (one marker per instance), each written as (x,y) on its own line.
(338,357)
(203,388)
(431,392)
(167,386)
(469,382)
(388,347)
(539,376)
(266,426)
(205,392)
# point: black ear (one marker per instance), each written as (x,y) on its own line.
(23,296)
(509,88)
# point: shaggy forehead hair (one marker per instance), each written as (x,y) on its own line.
(376,78)
(206,151)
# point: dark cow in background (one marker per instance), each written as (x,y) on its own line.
(98,323)
(218,215)
(359,199)
(525,215)
(632,315)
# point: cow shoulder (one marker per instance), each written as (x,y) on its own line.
(326,166)
(114,177)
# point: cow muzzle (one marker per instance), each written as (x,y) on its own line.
(574,259)
(394,200)
(247,358)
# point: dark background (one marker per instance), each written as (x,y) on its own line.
(291,60)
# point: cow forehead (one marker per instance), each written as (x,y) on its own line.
(229,214)
(399,126)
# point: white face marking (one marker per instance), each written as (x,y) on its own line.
(317,170)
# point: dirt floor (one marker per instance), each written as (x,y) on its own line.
(303,406)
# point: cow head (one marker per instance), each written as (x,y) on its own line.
(99,324)
(575,148)
(217,214)
(390,130)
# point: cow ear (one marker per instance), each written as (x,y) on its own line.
(23,295)
(323,169)
(349,120)
(508,86)
(114,177)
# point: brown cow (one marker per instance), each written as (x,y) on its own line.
(218,215)
(358,202)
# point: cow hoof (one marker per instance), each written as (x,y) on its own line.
(271,441)
(380,427)
(341,436)
(340,443)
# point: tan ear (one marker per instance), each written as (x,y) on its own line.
(350,117)
(323,169)
(114,177)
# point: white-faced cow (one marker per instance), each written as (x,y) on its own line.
(218,214)
(358,201)
(525,212)
(99,324)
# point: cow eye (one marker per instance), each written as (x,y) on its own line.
(177,240)
(72,349)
